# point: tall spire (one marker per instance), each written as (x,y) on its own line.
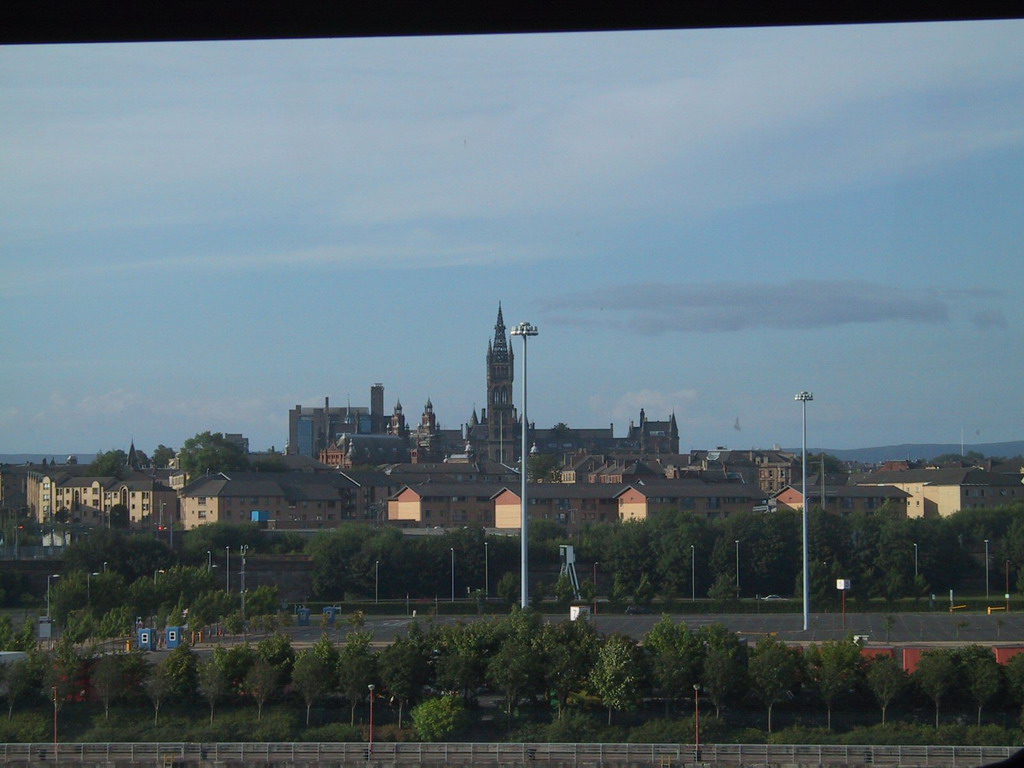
(500,346)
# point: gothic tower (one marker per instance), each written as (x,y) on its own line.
(501,413)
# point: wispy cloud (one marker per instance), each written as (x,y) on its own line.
(654,308)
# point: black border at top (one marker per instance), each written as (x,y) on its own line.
(94,21)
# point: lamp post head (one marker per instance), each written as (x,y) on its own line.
(804,396)
(524,329)
(371,687)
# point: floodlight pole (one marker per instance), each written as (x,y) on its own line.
(804,398)
(525,330)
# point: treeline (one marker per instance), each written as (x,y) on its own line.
(679,556)
(672,557)
(554,681)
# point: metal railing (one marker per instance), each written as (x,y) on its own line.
(477,754)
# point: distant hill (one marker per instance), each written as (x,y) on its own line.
(918,451)
(37,458)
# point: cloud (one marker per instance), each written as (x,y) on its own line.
(988,319)
(656,308)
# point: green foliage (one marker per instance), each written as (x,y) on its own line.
(181,669)
(210,452)
(403,671)
(508,588)
(543,467)
(333,732)
(675,656)
(311,677)
(437,719)
(835,667)
(936,675)
(774,670)
(111,463)
(356,669)
(162,456)
(724,672)
(568,651)
(618,674)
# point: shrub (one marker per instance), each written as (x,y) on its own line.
(334,732)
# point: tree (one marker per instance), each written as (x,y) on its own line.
(403,671)
(618,673)
(675,657)
(163,456)
(109,463)
(436,719)
(834,667)
(514,670)
(181,667)
(213,683)
(774,670)
(19,678)
(210,452)
(356,669)
(886,680)
(158,685)
(1015,680)
(508,588)
(936,674)
(261,682)
(107,679)
(569,651)
(311,678)
(542,467)
(277,651)
(724,672)
(982,674)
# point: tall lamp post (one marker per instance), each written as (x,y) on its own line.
(696,719)
(737,569)
(693,574)
(209,560)
(915,561)
(525,330)
(376,581)
(487,573)
(453,573)
(227,569)
(371,688)
(986,569)
(804,398)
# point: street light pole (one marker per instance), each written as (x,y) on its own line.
(525,330)
(371,688)
(804,398)
(209,561)
(243,549)
(915,561)
(737,569)
(986,569)
(376,581)
(696,719)
(693,574)
(453,573)
(227,569)
(487,572)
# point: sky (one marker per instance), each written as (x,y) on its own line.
(199,236)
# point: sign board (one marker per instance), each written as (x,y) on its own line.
(842,584)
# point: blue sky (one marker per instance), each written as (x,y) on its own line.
(199,236)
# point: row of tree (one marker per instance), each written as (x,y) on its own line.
(566,665)
(678,556)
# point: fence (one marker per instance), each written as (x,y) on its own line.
(184,755)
